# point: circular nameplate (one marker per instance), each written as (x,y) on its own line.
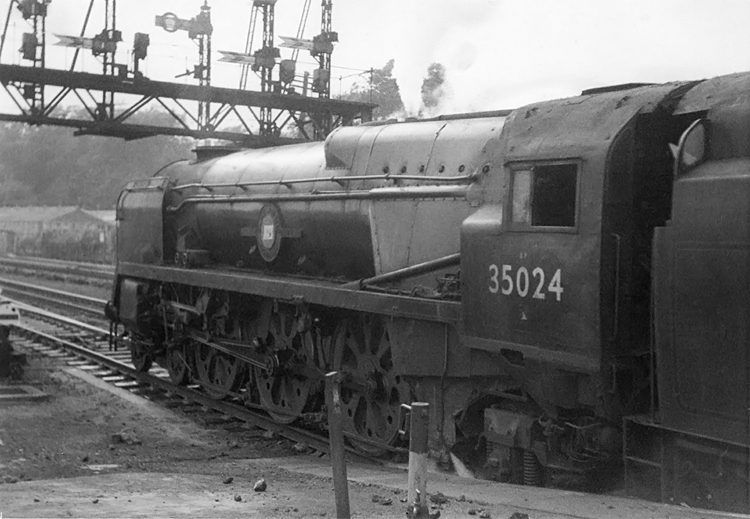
(269,232)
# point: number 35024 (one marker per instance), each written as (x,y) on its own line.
(523,283)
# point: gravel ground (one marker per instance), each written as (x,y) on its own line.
(86,444)
(70,438)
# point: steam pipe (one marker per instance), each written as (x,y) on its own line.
(414,270)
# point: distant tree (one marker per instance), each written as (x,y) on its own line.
(13,192)
(432,85)
(48,165)
(381,89)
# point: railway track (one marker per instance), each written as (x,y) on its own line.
(36,294)
(86,347)
(91,307)
(60,267)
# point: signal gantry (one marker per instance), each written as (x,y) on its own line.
(277,114)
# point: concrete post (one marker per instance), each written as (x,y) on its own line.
(336,439)
(418,434)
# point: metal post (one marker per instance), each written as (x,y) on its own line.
(336,438)
(5,352)
(418,434)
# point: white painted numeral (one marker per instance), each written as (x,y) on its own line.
(539,273)
(555,285)
(523,282)
(506,277)
(494,284)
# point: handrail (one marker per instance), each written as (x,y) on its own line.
(616,327)
(371,194)
(147,184)
(337,179)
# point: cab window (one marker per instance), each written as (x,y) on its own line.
(544,195)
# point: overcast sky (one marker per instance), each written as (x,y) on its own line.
(498,53)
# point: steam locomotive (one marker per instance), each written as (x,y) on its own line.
(566,283)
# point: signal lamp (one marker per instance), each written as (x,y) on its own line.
(29,44)
(140,45)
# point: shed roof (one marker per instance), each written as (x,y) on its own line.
(34,213)
(43,213)
(107,216)
(78,216)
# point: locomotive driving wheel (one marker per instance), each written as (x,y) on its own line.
(218,372)
(177,364)
(282,392)
(362,348)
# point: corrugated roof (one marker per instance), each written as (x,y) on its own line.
(108,216)
(78,216)
(34,213)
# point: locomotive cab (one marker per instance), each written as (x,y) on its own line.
(551,266)
(556,265)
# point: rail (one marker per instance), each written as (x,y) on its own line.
(86,270)
(28,292)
